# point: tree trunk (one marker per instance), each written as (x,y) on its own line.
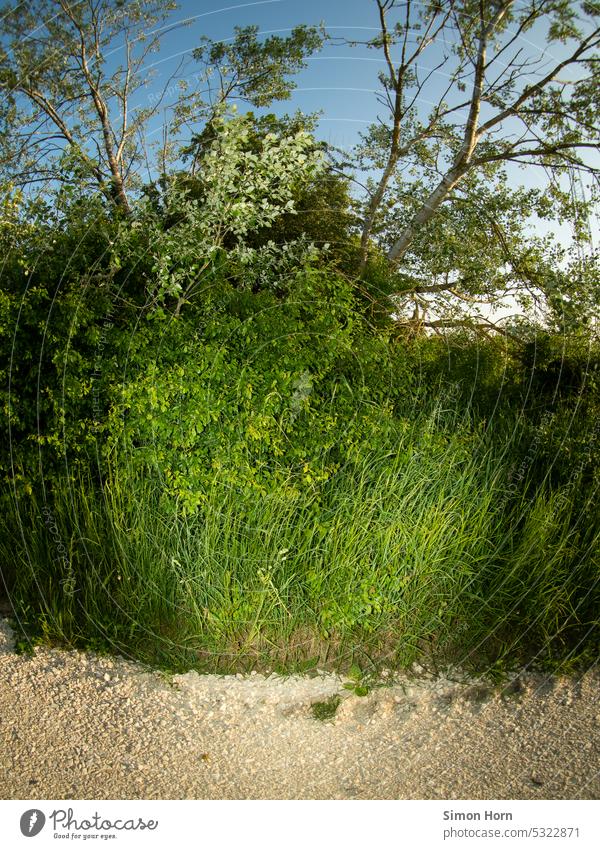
(426,213)
(372,211)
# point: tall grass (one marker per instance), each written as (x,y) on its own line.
(420,553)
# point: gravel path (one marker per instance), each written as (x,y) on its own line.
(73,725)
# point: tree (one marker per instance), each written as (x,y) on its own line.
(68,109)
(498,105)
(66,114)
(478,256)
(322,204)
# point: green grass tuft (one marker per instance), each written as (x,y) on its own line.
(326,710)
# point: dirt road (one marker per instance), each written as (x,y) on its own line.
(73,725)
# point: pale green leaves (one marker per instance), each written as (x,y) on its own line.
(242,187)
(246,190)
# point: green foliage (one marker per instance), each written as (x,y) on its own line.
(563,376)
(258,71)
(245,185)
(70,82)
(56,313)
(322,214)
(327,709)
(264,468)
(443,197)
(256,391)
(358,682)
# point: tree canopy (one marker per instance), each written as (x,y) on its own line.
(70,73)
(502,102)
(442,207)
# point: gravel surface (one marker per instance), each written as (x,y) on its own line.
(77,726)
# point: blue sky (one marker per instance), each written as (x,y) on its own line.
(340,80)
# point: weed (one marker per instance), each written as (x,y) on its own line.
(358,683)
(326,710)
